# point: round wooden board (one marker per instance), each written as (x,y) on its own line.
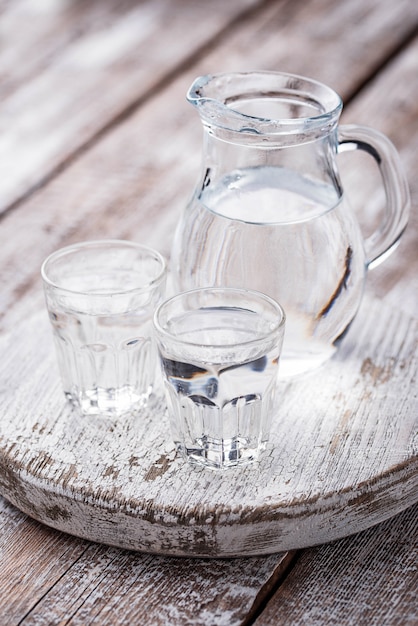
(343,454)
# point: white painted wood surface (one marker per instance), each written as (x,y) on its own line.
(343,454)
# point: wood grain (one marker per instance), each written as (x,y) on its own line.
(32,559)
(368,579)
(107,62)
(45,31)
(390,105)
(51,578)
(339,461)
(118,53)
(134,183)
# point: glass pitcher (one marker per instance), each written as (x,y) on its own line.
(269,212)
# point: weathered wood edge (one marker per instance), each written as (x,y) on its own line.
(339,518)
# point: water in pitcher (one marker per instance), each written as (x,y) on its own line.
(272,230)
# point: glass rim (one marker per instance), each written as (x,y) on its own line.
(279,326)
(102,243)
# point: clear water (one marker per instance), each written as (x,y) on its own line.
(220,397)
(269,229)
(107,363)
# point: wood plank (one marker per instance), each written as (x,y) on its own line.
(140,589)
(106,63)
(134,183)
(368,579)
(34,34)
(389,104)
(48,577)
(32,558)
(338,462)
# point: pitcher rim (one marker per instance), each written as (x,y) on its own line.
(217,111)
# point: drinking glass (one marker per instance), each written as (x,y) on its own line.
(219,352)
(101,296)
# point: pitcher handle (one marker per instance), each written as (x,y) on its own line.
(384,240)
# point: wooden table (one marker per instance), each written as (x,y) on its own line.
(97,141)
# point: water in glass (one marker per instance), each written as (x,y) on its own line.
(221,400)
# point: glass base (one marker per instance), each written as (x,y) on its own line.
(112,402)
(221,453)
